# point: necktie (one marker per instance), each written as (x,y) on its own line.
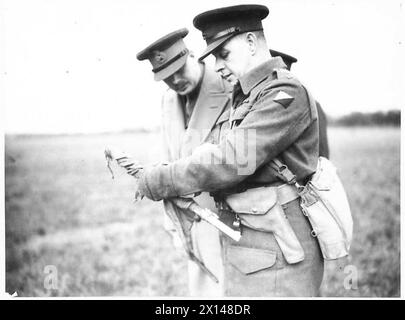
(188,110)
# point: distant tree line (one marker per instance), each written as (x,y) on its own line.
(388,118)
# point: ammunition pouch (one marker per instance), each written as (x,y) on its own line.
(261,209)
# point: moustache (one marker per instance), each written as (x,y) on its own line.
(181,85)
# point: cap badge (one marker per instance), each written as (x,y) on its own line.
(159,57)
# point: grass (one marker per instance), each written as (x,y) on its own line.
(64,210)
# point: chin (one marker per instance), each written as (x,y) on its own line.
(232,80)
(186,91)
(182,93)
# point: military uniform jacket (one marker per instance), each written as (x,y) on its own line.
(273,115)
(210,114)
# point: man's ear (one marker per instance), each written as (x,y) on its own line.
(252,42)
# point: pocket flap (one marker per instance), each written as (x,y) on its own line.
(253,201)
(250,260)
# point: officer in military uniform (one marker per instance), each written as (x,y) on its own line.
(323,136)
(274,118)
(194,108)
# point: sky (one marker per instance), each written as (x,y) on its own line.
(69,66)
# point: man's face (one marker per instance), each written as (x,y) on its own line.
(232,59)
(185,80)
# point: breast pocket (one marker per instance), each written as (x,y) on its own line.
(240,112)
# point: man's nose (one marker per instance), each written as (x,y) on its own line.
(219,65)
(176,77)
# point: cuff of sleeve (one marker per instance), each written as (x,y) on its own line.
(156,183)
(143,186)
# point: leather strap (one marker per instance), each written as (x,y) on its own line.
(283,172)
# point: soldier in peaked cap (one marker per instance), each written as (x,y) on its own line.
(323,135)
(272,143)
(194,109)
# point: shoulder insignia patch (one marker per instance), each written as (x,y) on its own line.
(284,99)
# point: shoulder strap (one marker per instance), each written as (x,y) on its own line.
(283,172)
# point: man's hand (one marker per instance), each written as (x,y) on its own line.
(138,194)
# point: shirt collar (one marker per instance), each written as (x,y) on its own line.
(258,74)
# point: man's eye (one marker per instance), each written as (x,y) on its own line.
(183,68)
(224,54)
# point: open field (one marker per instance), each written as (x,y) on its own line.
(64,210)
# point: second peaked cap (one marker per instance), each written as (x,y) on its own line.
(167,54)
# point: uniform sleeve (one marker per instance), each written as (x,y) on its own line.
(277,119)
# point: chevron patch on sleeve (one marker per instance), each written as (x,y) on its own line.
(284,99)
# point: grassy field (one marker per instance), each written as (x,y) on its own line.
(64,210)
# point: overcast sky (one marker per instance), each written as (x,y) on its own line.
(70,65)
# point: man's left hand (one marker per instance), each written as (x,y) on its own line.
(138,194)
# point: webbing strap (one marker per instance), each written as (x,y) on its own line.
(283,172)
